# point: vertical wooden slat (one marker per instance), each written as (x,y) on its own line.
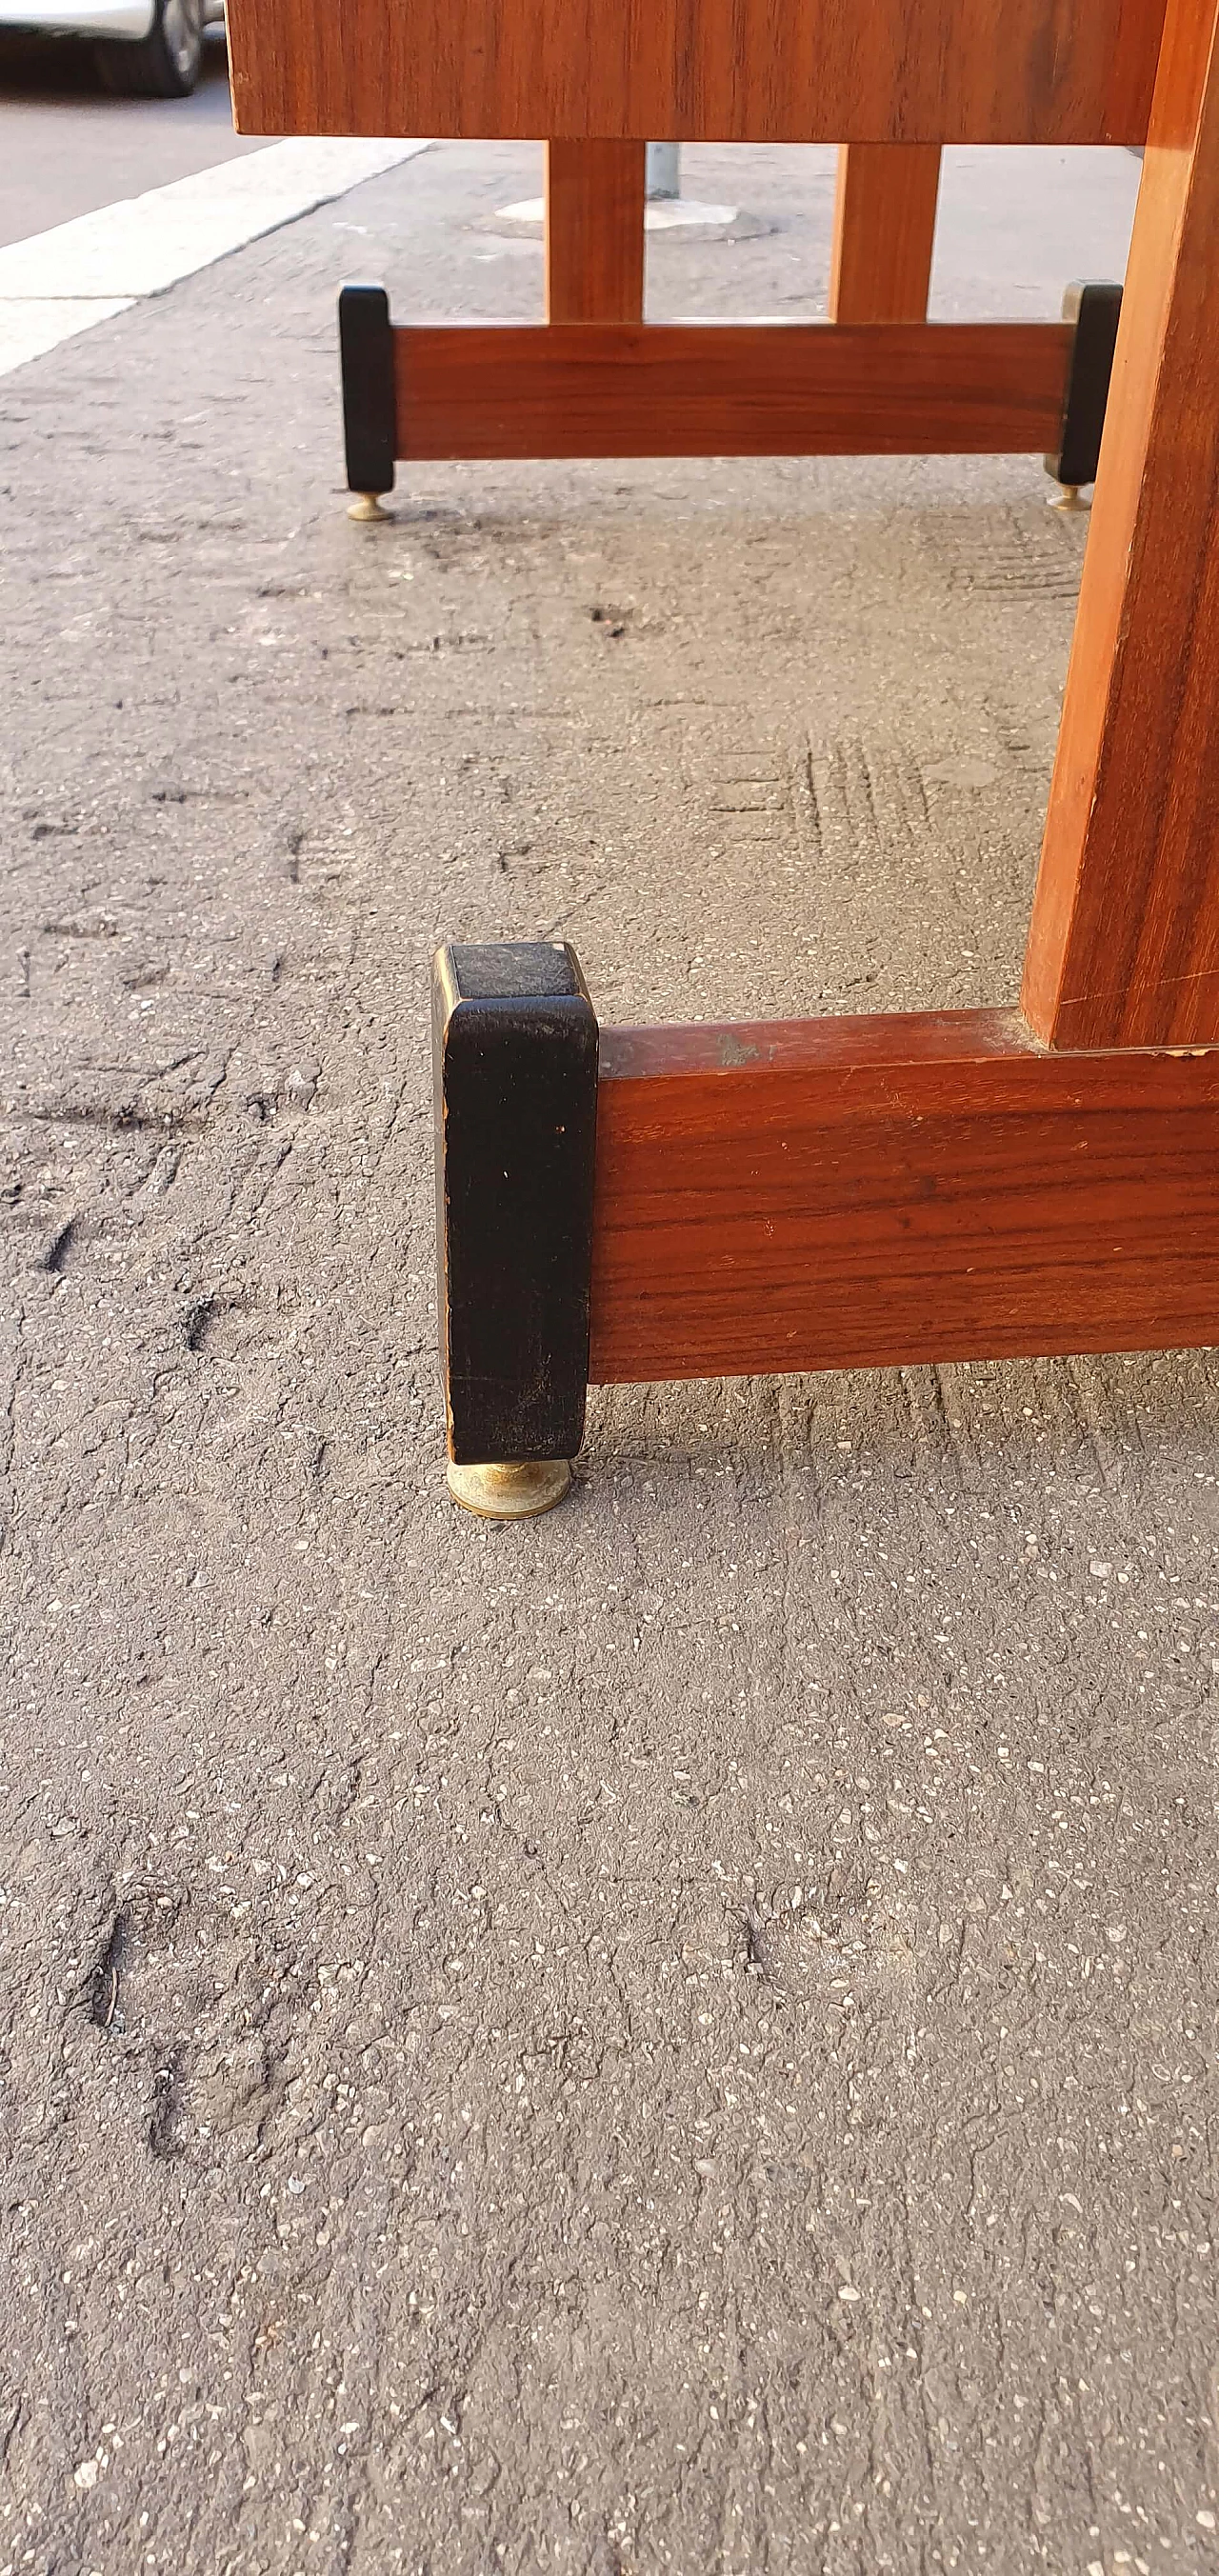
(594,232)
(1124,943)
(884,231)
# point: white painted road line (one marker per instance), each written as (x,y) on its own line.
(61,282)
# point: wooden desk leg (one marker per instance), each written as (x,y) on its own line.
(884,231)
(1124,943)
(594,232)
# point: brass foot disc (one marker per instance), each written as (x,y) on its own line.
(1067,498)
(366,505)
(513,1492)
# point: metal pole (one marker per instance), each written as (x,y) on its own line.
(663,177)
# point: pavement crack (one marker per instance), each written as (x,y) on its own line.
(758,1953)
(198,1318)
(55,1257)
(108,1974)
(116,1117)
(168,2107)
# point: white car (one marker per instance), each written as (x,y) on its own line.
(147,48)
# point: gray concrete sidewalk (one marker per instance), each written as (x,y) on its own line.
(680,2036)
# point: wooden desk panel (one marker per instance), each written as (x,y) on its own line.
(836,71)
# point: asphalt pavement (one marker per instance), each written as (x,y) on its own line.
(677,2039)
(67,146)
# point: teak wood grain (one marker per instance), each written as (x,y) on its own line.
(731,389)
(595,231)
(884,231)
(779,71)
(865,1192)
(1124,942)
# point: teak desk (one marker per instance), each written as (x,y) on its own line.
(688,1202)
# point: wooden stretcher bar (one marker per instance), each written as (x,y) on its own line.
(729,389)
(859,1193)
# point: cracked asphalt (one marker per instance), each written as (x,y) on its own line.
(682,2035)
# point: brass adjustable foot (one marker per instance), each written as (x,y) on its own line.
(366,505)
(514,1492)
(1067,497)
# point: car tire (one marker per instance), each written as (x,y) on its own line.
(164,63)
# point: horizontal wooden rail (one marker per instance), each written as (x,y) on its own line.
(865,1192)
(729,389)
